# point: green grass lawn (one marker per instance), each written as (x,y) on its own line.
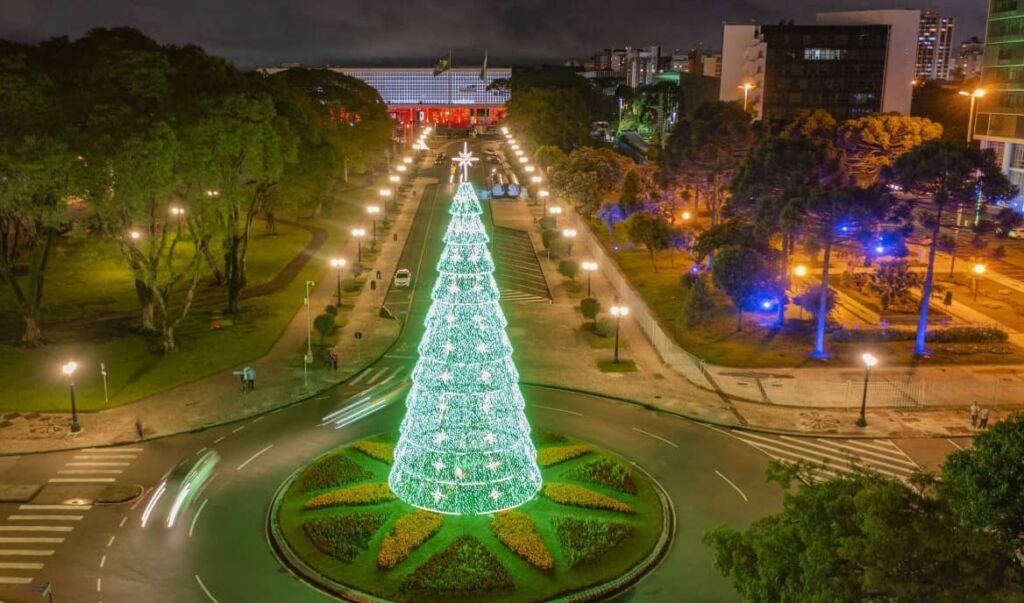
(135,367)
(758,345)
(531,584)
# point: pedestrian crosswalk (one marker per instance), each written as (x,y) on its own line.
(521,297)
(834,456)
(377,374)
(31,533)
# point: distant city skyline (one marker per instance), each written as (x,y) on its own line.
(262,32)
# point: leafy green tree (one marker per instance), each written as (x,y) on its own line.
(862,538)
(746,275)
(942,178)
(568,268)
(629,196)
(942,104)
(590,307)
(892,281)
(324,325)
(698,305)
(548,156)
(872,143)
(984,484)
(588,178)
(652,230)
(551,116)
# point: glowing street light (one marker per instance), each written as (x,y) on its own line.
(504,130)
(523,159)
(177,211)
(401,168)
(212,193)
(869,363)
(569,234)
(589,267)
(407,159)
(554,211)
(974,95)
(69,370)
(135,235)
(746,87)
(518,152)
(536,179)
(618,312)
(800,270)
(687,216)
(394,179)
(976,272)
(359,233)
(529,168)
(373,211)
(338,264)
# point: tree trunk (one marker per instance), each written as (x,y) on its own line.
(145,295)
(271,222)
(926,289)
(30,303)
(820,319)
(780,316)
(33,335)
(952,263)
(215,271)
(654,264)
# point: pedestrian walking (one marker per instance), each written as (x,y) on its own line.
(974,413)
(327,358)
(984,419)
(334,361)
(250,378)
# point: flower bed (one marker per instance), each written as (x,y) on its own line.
(333,471)
(606,472)
(409,532)
(518,532)
(465,566)
(553,455)
(343,537)
(362,494)
(382,451)
(571,494)
(586,540)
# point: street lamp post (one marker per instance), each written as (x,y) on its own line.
(338,264)
(869,362)
(373,210)
(800,271)
(543,194)
(976,272)
(974,96)
(359,233)
(746,87)
(69,370)
(569,234)
(308,358)
(385,194)
(618,312)
(589,267)
(555,211)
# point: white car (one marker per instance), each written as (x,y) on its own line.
(1016,233)
(403,278)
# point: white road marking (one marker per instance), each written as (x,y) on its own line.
(195,518)
(955,445)
(97,464)
(219,440)
(845,464)
(90,471)
(114,450)
(86,457)
(123,521)
(253,457)
(45,517)
(568,412)
(99,585)
(54,507)
(237,429)
(378,374)
(258,419)
(362,375)
(734,486)
(30,540)
(21,566)
(203,586)
(36,528)
(80,480)
(26,553)
(111,541)
(656,437)
(103,561)
(144,495)
(8,580)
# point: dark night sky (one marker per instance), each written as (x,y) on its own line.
(261,32)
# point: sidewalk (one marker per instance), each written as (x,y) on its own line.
(730,397)
(279,374)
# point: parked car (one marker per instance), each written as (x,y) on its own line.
(1016,233)
(180,487)
(403,278)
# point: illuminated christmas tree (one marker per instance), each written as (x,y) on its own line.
(465,443)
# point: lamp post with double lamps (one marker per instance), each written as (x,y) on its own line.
(338,264)
(869,363)
(589,267)
(618,312)
(971,112)
(554,211)
(69,370)
(359,233)
(569,234)
(373,211)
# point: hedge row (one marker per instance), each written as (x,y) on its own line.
(947,335)
(517,531)
(571,494)
(606,472)
(343,537)
(409,532)
(464,566)
(360,494)
(559,454)
(333,471)
(382,451)
(586,540)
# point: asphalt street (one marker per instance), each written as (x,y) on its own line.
(217,552)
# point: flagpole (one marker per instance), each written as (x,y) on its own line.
(451,74)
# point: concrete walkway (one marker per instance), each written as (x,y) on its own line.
(279,374)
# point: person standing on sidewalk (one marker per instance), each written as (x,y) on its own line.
(984,419)
(974,414)
(250,378)
(334,360)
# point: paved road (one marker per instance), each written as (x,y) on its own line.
(218,553)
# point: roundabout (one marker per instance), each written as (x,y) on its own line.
(598,525)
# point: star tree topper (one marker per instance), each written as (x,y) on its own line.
(465,160)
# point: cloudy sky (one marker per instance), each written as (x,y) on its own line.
(261,32)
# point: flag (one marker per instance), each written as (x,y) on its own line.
(483,70)
(443,64)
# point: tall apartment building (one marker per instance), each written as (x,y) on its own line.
(999,124)
(850,63)
(969,59)
(934,47)
(641,64)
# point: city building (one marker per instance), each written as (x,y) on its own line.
(969,59)
(999,120)
(850,63)
(934,47)
(696,61)
(640,65)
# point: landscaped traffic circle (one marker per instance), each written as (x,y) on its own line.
(598,525)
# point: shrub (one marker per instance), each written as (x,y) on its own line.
(548,237)
(343,537)
(590,308)
(571,494)
(699,304)
(324,325)
(464,566)
(585,540)
(606,472)
(352,285)
(568,268)
(333,471)
(361,494)
(546,437)
(547,223)
(409,532)
(382,451)
(891,283)
(948,335)
(517,531)
(553,455)
(572,286)
(809,298)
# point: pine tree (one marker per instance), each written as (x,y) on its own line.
(465,443)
